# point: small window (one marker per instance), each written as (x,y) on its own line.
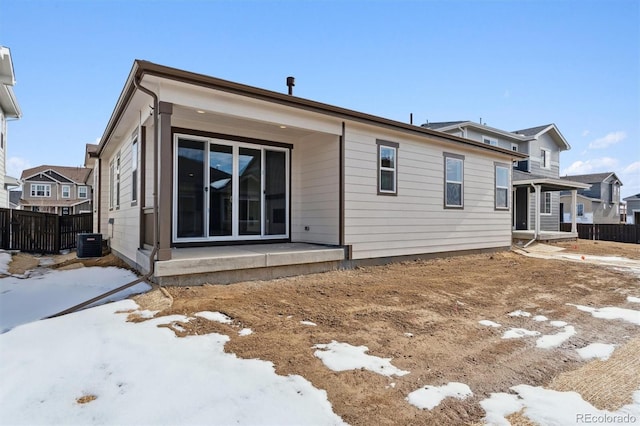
(514,147)
(387,168)
(490,141)
(545,203)
(40,190)
(579,209)
(114,183)
(134,169)
(66,191)
(454,181)
(545,162)
(502,187)
(82,192)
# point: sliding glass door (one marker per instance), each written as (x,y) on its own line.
(243,193)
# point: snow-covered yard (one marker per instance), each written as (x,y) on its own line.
(95,367)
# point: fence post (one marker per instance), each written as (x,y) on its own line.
(57,235)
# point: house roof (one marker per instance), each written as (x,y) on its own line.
(531,131)
(591,178)
(74,174)
(8,101)
(141,68)
(52,203)
(548,184)
(442,124)
(632,197)
(534,132)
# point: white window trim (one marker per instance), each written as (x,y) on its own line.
(547,155)
(515,147)
(235,234)
(543,196)
(86,191)
(134,168)
(489,140)
(68,190)
(46,189)
(507,187)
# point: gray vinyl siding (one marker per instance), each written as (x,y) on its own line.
(503,142)
(632,207)
(548,222)
(593,192)
(415,221)
(535,146)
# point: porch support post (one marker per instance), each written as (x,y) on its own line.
(536,214)
(165,176)
(574,210)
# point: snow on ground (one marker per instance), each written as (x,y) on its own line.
(214,316)
(5,259)
(633,299)
(136,373)
(601,351)
(308,323)
(517,333)
(52,291)
(489,323)
(245,332)
(540,318)
(549,407)
(429,397)
(519,313)
(549,341)
(342,356)
(558,323)
(611,312)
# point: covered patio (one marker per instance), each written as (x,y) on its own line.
(539,185)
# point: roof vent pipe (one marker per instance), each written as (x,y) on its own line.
(291,81)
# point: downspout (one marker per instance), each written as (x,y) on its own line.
(156,223)
(535,230)
(156,231)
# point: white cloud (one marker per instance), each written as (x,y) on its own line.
(594,165)
(608,140)
(15,166)
(633,167)
(585,133)
(630,177)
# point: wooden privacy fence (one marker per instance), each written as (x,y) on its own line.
(35,232)
(619,232)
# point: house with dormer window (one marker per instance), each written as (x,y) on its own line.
(598,204)
(56,189)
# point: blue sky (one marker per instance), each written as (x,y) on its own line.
(513,64)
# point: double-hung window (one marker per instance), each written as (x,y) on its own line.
(545,158)
(82,192)
(545,203)
(453,181)
(40,190)
(580,209)
(489,141)
(114,183)
(66,191)
(387,168)
(502,186)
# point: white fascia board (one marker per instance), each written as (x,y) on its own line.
(484,129)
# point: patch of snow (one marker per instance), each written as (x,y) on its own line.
(46,261)
(518,333)
(500,405)
(549,407)
(308,323)
(633,299)
(596,350)
(245,332)
(177,326)
(5,259)
(429,397)
(146,313)
(611,312)
(558,323)
(519,313)
(540,318)
(96,352)
(342,356)
(26,300)
(408,334)
(549,341)
(214,316)
(489,323)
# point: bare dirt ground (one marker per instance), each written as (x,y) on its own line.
(439,302)
(424,315)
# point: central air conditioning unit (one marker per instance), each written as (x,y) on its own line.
(89,245)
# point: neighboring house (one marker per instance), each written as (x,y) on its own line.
(14,199)
(633,209)
(56,189)
(598,204)
(9,109)
(214,165)
(536,180)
